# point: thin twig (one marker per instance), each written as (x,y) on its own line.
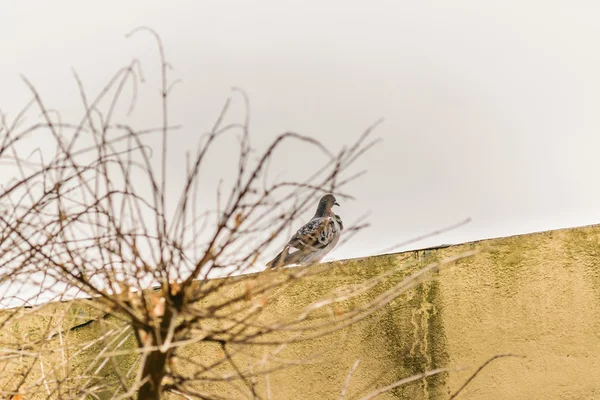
(347,382)
(481,367)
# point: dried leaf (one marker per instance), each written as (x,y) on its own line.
(239,218)
(175,288)
(264,300)
(250,285)
(210,254)
(158,302)
(122,291)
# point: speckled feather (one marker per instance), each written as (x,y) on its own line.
(316,234)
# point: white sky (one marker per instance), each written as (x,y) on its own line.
(492,109)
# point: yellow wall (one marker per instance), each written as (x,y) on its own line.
(535,295)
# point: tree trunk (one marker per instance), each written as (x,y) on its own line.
(154,369)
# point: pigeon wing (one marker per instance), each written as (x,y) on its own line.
(315,235)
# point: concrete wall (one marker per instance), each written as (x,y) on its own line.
(535,295)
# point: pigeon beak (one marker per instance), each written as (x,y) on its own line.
(335,203)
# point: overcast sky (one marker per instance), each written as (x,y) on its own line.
(492,109)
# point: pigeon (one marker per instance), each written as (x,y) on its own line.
(315,239)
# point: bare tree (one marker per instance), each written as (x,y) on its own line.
(95,223)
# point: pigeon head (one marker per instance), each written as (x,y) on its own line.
(325,205)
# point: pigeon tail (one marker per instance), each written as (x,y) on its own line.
(282,259)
